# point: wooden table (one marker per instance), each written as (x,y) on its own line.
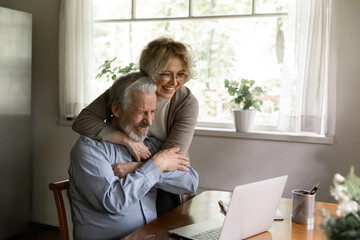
(205,205)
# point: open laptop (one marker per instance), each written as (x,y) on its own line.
(251,211)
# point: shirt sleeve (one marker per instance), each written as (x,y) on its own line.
(179,182)
(91,172)
(91,120)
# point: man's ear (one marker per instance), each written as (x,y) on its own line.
(115,108)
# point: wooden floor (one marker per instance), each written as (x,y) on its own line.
(38,232)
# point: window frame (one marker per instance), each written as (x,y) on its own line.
(190,15)
(204,124)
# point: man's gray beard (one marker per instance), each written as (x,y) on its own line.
(137,138)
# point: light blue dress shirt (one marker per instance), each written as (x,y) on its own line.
(106,207)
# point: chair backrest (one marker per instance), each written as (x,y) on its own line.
(63,208)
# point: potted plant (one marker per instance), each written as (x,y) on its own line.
(247,102)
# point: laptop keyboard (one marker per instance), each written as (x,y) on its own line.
(212,234)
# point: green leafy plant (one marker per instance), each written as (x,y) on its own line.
(346,191)
(347,227)
(111,72)
(246,95)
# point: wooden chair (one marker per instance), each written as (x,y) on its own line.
(63,207)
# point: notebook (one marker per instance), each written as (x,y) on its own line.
(251,211)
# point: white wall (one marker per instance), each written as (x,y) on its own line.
(221,162)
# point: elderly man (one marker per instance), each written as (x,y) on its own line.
(106,206)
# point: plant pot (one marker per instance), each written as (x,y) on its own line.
(244,120)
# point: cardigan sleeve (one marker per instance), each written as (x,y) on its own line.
(91,120)
(181,120)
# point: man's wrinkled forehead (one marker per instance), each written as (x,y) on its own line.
(143,101)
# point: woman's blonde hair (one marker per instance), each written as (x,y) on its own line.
(156,55)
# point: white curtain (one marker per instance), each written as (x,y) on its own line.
(308,98)
(75,56)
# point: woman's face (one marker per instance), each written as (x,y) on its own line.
(171,79)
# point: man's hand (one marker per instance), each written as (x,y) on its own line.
(123,169)
(170,160)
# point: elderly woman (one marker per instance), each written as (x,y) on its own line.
(170,64)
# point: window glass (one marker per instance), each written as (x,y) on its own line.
(234,49)
(112,9)
(213,7)
(161,8)
(271,6)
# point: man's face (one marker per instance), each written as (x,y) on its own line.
(137,118)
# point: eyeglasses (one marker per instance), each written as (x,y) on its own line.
(167,76)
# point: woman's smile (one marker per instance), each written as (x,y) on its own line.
(167,88)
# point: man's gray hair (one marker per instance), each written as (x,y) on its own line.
(122,88)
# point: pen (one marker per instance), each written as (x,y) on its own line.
(222,207)
(314,189)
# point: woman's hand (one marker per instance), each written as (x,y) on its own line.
(170,160)
(138,150)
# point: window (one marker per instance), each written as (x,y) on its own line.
(230,39)
(223,47)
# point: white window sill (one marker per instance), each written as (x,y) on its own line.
(265,135)
(63,121)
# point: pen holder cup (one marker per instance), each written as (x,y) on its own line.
(303,207)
